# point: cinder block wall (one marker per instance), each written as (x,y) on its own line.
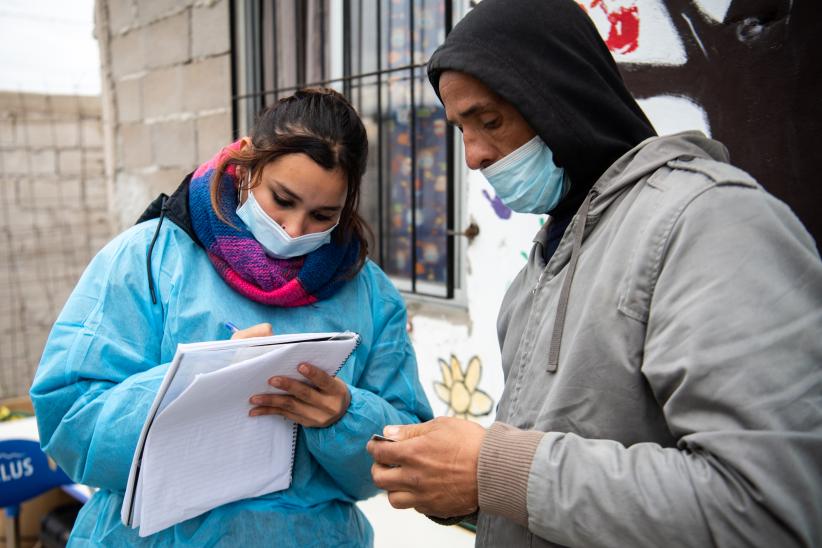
(53,218)
(167,84)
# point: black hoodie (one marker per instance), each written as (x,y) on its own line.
(547,59)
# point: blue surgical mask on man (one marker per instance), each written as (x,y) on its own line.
(274,239)
(527,180)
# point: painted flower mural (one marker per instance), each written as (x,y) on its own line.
(458,389)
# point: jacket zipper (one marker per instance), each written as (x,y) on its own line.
(539,280)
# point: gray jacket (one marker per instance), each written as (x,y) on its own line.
(677,399)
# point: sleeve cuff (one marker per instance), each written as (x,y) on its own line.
(456,520)
(504,466)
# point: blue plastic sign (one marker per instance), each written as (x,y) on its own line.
(26,472)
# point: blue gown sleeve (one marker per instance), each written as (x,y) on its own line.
(387,392)
(99,372)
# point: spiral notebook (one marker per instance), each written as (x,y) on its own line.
(198,448)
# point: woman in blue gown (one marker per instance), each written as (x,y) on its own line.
(265,235)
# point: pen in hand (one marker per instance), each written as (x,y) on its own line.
(233,328)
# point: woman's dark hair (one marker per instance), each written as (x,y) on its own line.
(322,124)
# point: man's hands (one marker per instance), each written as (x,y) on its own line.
(432,467)
(318,404)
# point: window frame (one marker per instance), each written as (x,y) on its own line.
(252,46)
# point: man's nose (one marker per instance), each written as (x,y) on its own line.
(479,153)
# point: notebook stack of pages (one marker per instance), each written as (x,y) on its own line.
(198,448)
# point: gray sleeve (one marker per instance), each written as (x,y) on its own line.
(733,355)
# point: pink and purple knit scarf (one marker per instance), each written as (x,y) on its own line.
(241,260)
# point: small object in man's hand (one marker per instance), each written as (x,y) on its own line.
(377,437)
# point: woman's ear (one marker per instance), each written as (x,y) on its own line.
(245,142)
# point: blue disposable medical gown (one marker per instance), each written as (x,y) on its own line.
(110,347)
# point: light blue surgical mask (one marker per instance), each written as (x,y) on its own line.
(527,180)
(274,239)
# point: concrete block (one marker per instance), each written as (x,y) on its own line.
(38,193)
(36,337)
(163,92)
(6,287)
(39,134)
(33,103)
(94,192)
(8,322)
(127,55)
(49,106)
(71,194)
(20,131)
(90,106)
(70,161)
(122,14)
(66,133)
(15,161)
(59,296)
(213,133)
(174,144)
(96,244)
(92,131)
(129,98)
(129,199)
(134,146)
(98,224)
(208,84)
(168,41)
(11,101)
(163,180)
(149,11)
(8,134)
(43,161)
(210,33)
(134,193)
(11,282)
(93,162)
(22,218)
(8,195)
(38,308)
(23,246)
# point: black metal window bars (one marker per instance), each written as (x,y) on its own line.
(408,191)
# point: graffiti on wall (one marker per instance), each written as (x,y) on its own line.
(500,209)
(745,73)
(752,69)
(459,389)
(623,21)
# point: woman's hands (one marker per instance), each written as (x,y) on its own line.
(318,404)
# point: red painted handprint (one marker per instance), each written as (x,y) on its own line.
(623,35)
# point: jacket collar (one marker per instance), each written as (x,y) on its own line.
(174,208)
(648,156)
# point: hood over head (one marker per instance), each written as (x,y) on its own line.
(547,59)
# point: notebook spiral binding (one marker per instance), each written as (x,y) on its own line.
(294,429)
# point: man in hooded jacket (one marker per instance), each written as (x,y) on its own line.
(661,348)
